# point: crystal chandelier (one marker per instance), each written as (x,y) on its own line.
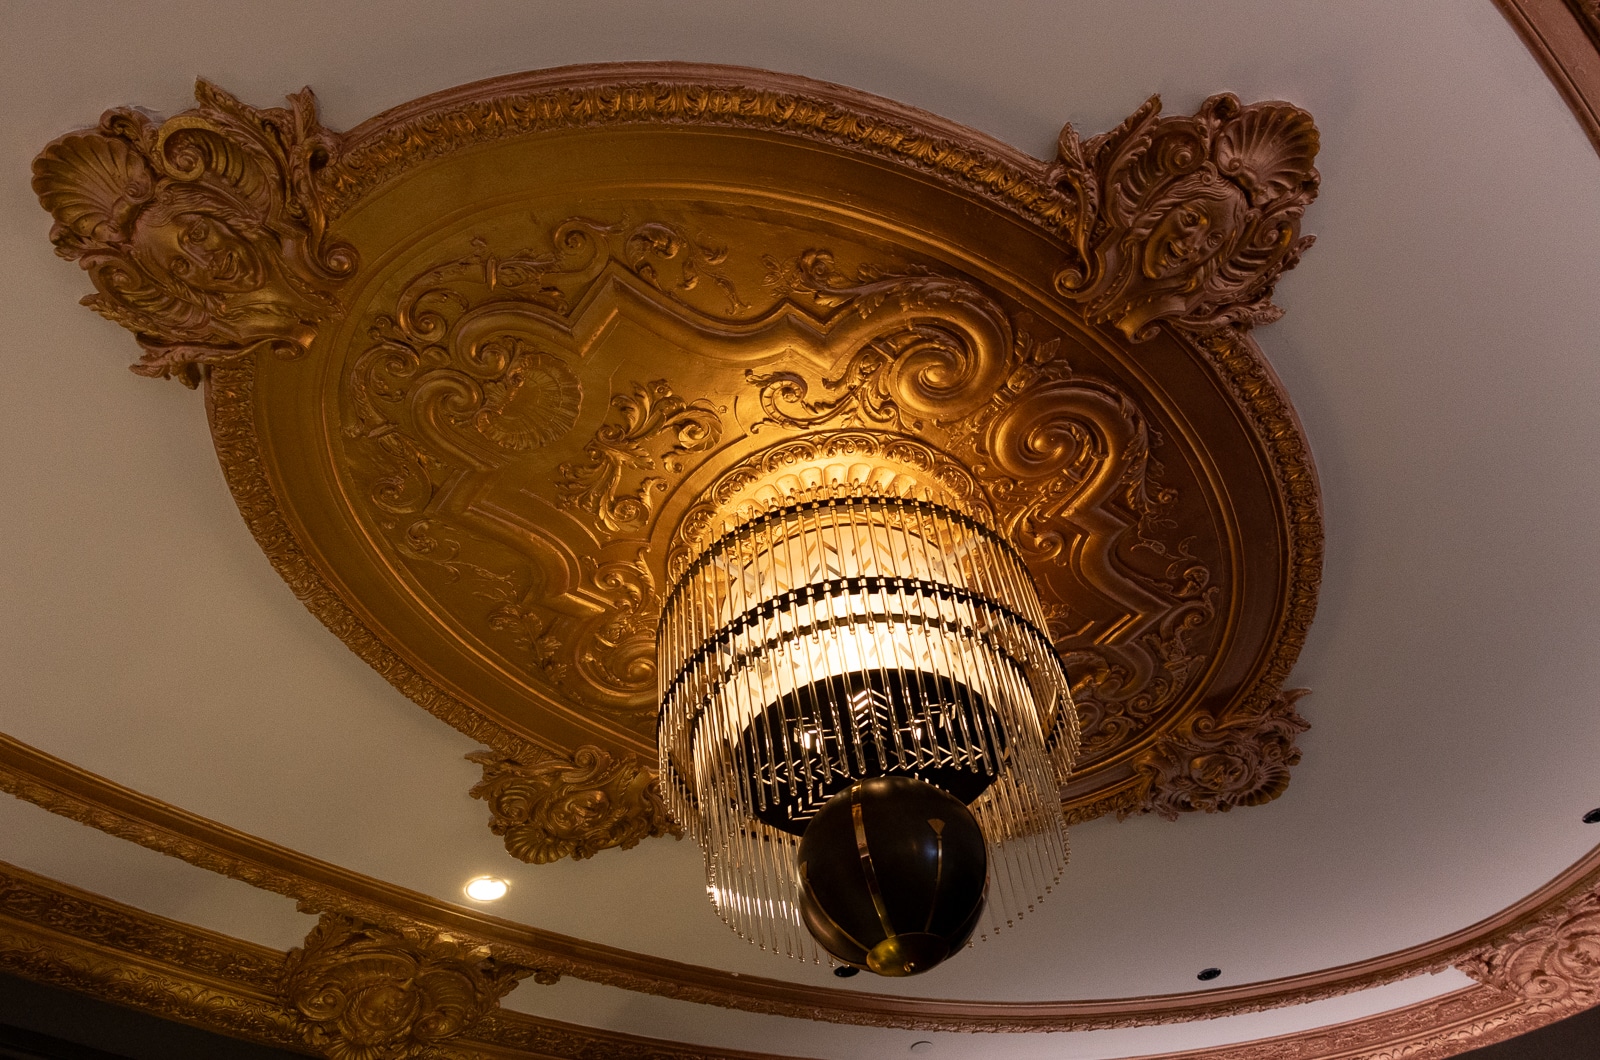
(862,720)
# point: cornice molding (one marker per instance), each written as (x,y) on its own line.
(326,889)
(61,936)
(1564,36)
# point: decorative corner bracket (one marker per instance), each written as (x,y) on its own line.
(1215,764)
(203,235)
(1553,962)
(554,807)
(363,993)
(1186,220)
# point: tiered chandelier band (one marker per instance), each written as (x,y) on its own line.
(845,635)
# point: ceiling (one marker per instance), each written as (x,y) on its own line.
(1439,347)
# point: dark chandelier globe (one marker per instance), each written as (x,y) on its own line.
(863,723)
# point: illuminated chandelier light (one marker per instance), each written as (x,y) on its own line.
(853,647)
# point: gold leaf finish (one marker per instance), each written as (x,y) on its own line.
(1217,764)
(1187,220)
(204,235)
(531,363)
(549,807)
(363,993)
(1555,961)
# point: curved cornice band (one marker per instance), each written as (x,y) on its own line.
(320,887)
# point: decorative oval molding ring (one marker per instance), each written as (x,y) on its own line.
(473,367)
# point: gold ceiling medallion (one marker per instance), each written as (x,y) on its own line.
(527,336)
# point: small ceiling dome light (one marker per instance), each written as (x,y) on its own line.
(863,721)
(486,888)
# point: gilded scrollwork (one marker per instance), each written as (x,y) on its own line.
(365,993)
(1215,764)
(649,414)
(1186,220)
(204,235)
(523,429)
(548,807)
(920,346)
(1555,961)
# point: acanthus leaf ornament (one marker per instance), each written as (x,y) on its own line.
(1215,764)
(1555,961)
(548,807)
(648,412)
(204,235)
(1186,220)
(362,992)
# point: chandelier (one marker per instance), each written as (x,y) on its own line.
(862,720)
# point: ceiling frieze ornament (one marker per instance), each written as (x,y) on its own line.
(1555,961)
(471,434)
(548,807)
(204,235)
(54,934)
(1187,220)
(1212,764)
(363,993)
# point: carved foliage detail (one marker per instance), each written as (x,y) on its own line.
(926,347)
(364,993)
(1556,961)
(651,412)
(1213,764)
(552,807)
(1187,220)
(203,235)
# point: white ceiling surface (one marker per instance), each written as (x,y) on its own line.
(59,849)
(1439,346)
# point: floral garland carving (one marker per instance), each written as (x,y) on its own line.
(203,234)
(1215,764)
(362,993)
(1187,220)
(550,807)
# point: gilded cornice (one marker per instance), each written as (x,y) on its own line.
(60,936)
(1564,36)
(57,935)
(326,889)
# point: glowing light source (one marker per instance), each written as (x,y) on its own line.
(486,888)
(827,636)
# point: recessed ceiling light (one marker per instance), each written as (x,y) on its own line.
(486,888)
(1592,817)
(1208,974)
(845,971)
(922,1047)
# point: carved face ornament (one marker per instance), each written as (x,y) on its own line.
(199,250)
(1202,214)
